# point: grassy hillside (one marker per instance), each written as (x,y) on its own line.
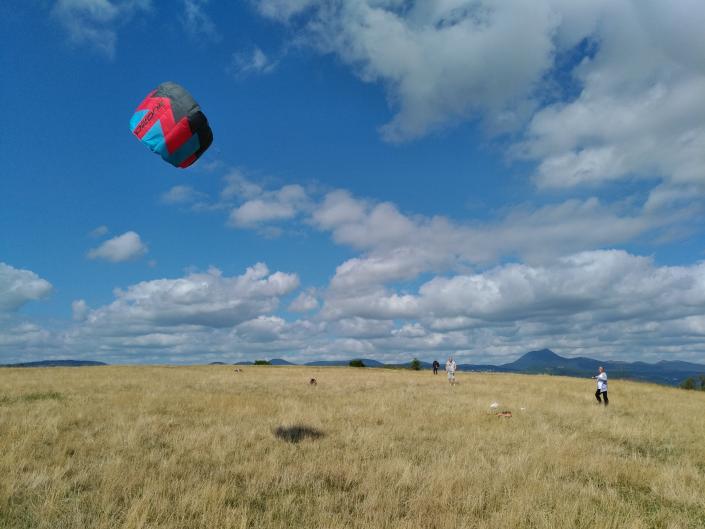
(204,447)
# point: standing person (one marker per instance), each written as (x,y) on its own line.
(601,386)
(450,368)
(436,365)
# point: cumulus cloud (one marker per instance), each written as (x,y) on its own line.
(262,329)
(399,246)
(201,299)
(95,22)
(18,287)
(19,335)
(603,303)
(251,205)
(304,302)
(80,309)
(363,328)
(20,340)
(612,133)
(271,206)
(439,61)
(594,91)
(185,318)
(125,247)
(375,301)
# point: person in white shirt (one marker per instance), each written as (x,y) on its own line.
(450,368)
(601,386)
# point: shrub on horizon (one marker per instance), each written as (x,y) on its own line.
(263,363)
(357,363)
(688,383)
(415,364)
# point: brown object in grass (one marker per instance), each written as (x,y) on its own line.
(506,413)
(313,382)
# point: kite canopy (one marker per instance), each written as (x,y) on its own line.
(172,125)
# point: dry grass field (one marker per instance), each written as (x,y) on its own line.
(204,447)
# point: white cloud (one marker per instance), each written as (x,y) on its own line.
(262,329)
(197,23)
(283,10)
(604,304)
(18,338)
(200,299)
(182,195)
(18,286)
(125,247)
(594,91)
(238,186)
(251,205)
(439,60)
(283,204)
(80,309)
(599,303)
(252,62)
(99,232)
(95,22)
(604,136)
(397,246)
(363,328)
(186,318)
(304,302)
(18,335)
(379,304)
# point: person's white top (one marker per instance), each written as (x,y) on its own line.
(450,366)
(602,381)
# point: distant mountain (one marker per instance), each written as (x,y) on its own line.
(281,362)
(369,362)
(57,363)
(546,361)
(328,363)
(216,364)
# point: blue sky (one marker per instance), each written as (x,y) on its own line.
(388,180)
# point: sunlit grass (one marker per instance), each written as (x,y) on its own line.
(204,447)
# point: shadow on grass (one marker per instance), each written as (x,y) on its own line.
(297,433)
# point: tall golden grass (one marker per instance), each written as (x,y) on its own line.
(204,447)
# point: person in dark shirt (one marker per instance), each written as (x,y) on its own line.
(436,365)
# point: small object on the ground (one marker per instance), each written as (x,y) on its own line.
(313,382)
(494,405)
(523,409)
(238,370)
(505,413)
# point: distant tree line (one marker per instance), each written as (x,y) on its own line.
(415,364)
(694,383)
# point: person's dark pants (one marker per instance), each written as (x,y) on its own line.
(604,396)
(435,370)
